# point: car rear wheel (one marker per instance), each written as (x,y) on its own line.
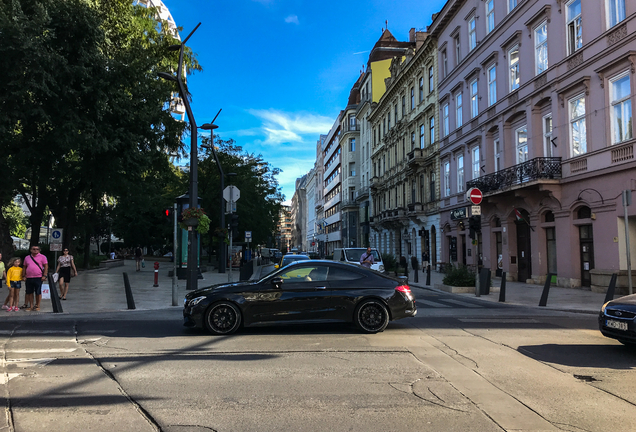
(222,318)
(371,316)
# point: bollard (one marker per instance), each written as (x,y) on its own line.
(129,295)
(546,291)
(611,288)
(502,289)
(484,281)
(156,275)
(428,275)
(55,298)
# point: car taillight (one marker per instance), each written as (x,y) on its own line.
(406,290)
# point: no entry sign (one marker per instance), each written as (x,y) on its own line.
(475,196)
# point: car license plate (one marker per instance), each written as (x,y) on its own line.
(618,325)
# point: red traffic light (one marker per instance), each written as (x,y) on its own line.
(168,212)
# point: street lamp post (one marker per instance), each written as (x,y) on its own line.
(192,274)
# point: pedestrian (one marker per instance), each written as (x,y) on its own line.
(404,265)
(425,259)
(36,267)
(367,260)
(14,282)
(139,255)
(112,255)
(65,270)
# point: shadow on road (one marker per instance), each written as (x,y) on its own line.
(611,356)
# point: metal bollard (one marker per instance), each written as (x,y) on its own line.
(55,298)
(502,289)
(428,275)
(546,291)
(610,289)
(156,284)
(129,295)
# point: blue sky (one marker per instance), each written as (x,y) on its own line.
(281,70)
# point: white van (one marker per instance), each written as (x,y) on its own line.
(352,255)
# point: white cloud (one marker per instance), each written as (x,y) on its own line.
(280,127)
(292,19)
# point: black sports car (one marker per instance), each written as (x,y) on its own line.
(304,291)
(617,319)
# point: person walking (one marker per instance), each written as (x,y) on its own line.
(36,267)
(65,269)
(14,282)
(139,255)
(367,260)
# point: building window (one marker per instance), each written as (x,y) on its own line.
(615,12)
(476,162)
(460,173)
(541,48)
(446,179)
(521,138)
(352,169)
(352,144)
(490,16)
(352,122)
(497,155)
(388,116)
(547,135)
(513,65)
(445,117)
(444,64)
(412,98)
(403,106)
(395,114)
(574,27)
(458,111)
(621,113)
(431,130)
(472,35)
(422,136)
(431,84)
(458,51)
(421,89)
(578,134)
(432,187)
(492,85)
(511,5)
(412,140)
(474,102)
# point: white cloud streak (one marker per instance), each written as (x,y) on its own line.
(292,19)
(280,127)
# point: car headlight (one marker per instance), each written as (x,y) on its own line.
(196,301)
(603,307)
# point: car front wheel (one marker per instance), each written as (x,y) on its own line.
(223,318)
(371,316)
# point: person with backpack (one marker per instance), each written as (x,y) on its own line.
(36,267)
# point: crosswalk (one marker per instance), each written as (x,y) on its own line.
(446,303)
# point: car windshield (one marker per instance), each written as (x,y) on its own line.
(356,254)
(291,258)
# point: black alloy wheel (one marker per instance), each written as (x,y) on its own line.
(371,316)
(222,318)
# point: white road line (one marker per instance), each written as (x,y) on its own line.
(433,304)
(461,303)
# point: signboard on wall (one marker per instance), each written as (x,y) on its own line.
(459,213)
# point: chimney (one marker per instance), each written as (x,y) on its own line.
(412,35)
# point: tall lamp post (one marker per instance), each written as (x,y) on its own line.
(192,274)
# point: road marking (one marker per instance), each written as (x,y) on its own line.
(6,377)
(461,303)
(25,363)
(496,320)
(35,350)
(433,304)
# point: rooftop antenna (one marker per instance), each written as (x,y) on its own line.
(386,23)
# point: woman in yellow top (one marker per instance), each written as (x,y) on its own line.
(14,282)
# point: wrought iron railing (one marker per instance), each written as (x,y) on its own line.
(534,169)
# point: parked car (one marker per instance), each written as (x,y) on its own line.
(304,291)
(288,259)
(617,319)
(352,255)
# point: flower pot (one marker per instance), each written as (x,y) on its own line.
(191,222)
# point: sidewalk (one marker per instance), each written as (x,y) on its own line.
(102,290)
(523,294)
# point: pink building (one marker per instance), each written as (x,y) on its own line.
(535,102)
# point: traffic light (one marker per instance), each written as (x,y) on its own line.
(169,214)
(234,221)
(474,225)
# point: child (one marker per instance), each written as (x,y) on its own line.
(14,282)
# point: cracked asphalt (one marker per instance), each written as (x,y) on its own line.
(470,368)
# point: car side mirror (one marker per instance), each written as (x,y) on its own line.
(277,282)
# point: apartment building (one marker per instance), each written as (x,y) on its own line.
(404,153)
(299,215)
(319,201)
(535,108)
(285,228)
(310,227)
(331,222)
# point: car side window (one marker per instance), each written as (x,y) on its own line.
(342,274)
(297,274)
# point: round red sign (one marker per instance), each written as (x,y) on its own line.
(476,196)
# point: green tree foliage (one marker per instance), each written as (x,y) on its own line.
(83,115)
(261,198)
(16,219)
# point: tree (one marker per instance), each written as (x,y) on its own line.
(16,219)
(88,117)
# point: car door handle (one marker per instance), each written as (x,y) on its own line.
(321,288)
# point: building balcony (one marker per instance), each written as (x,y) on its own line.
(420,155)
(351,127)
(362,193)
(348,204)
(518,175)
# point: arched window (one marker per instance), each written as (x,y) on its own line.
(497,222)
(549,216)
(584,213)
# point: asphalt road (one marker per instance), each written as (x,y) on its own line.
(460,365)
